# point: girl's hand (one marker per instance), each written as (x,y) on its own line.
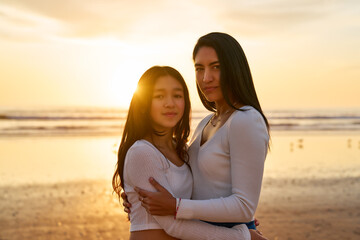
(256,235)
(257,222)
(160,203)
(126,204)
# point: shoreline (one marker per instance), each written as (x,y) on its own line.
(288,209)
(276,132)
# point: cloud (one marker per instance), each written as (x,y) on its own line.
(21,26)
(74,18)
(276,17)
(157,19)
(80,19)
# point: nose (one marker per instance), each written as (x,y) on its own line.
(207,76)
(169,102)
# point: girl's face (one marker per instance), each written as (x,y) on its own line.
(168,104)
(207,70)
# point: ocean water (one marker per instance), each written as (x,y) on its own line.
(110,121)
(66,144)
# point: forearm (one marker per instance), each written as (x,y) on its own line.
(192,229)
(229,209)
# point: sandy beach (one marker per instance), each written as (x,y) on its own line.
(59,187)
(289,209)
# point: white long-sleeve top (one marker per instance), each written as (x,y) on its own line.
(142,161)
(227,169)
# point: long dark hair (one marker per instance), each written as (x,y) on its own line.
(138,122)
(235,76)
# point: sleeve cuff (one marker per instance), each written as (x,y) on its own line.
(184,211)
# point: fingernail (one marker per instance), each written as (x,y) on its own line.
(151,179)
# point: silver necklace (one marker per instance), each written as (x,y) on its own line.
(218,118)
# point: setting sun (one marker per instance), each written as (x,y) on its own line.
(122,85)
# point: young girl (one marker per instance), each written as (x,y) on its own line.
(154,145)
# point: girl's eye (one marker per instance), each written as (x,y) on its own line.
(159,96)
(216,67)
(178,96)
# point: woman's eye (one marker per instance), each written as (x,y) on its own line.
(178,96)
(217,67)
(198,69)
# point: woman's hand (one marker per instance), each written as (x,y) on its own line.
(126,204)
(160,203)
(256,235)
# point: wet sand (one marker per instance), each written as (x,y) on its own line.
(311,188)
(310,208)
(289,209)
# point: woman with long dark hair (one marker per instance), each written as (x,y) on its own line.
(153,145)
(228,148)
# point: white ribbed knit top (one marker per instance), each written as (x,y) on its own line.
(143,160)
(227,169)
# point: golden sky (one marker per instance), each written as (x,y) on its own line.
(302,53)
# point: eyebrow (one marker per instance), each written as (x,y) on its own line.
(163,89)
(212,63)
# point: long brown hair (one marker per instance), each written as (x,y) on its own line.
(235,74)
(138,122)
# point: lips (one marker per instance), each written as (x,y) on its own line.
(170,114)
(209,89)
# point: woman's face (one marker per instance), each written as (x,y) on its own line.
(207,70)
(168,104)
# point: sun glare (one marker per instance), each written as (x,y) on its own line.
(130,62)
(120,67)
(123,85)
